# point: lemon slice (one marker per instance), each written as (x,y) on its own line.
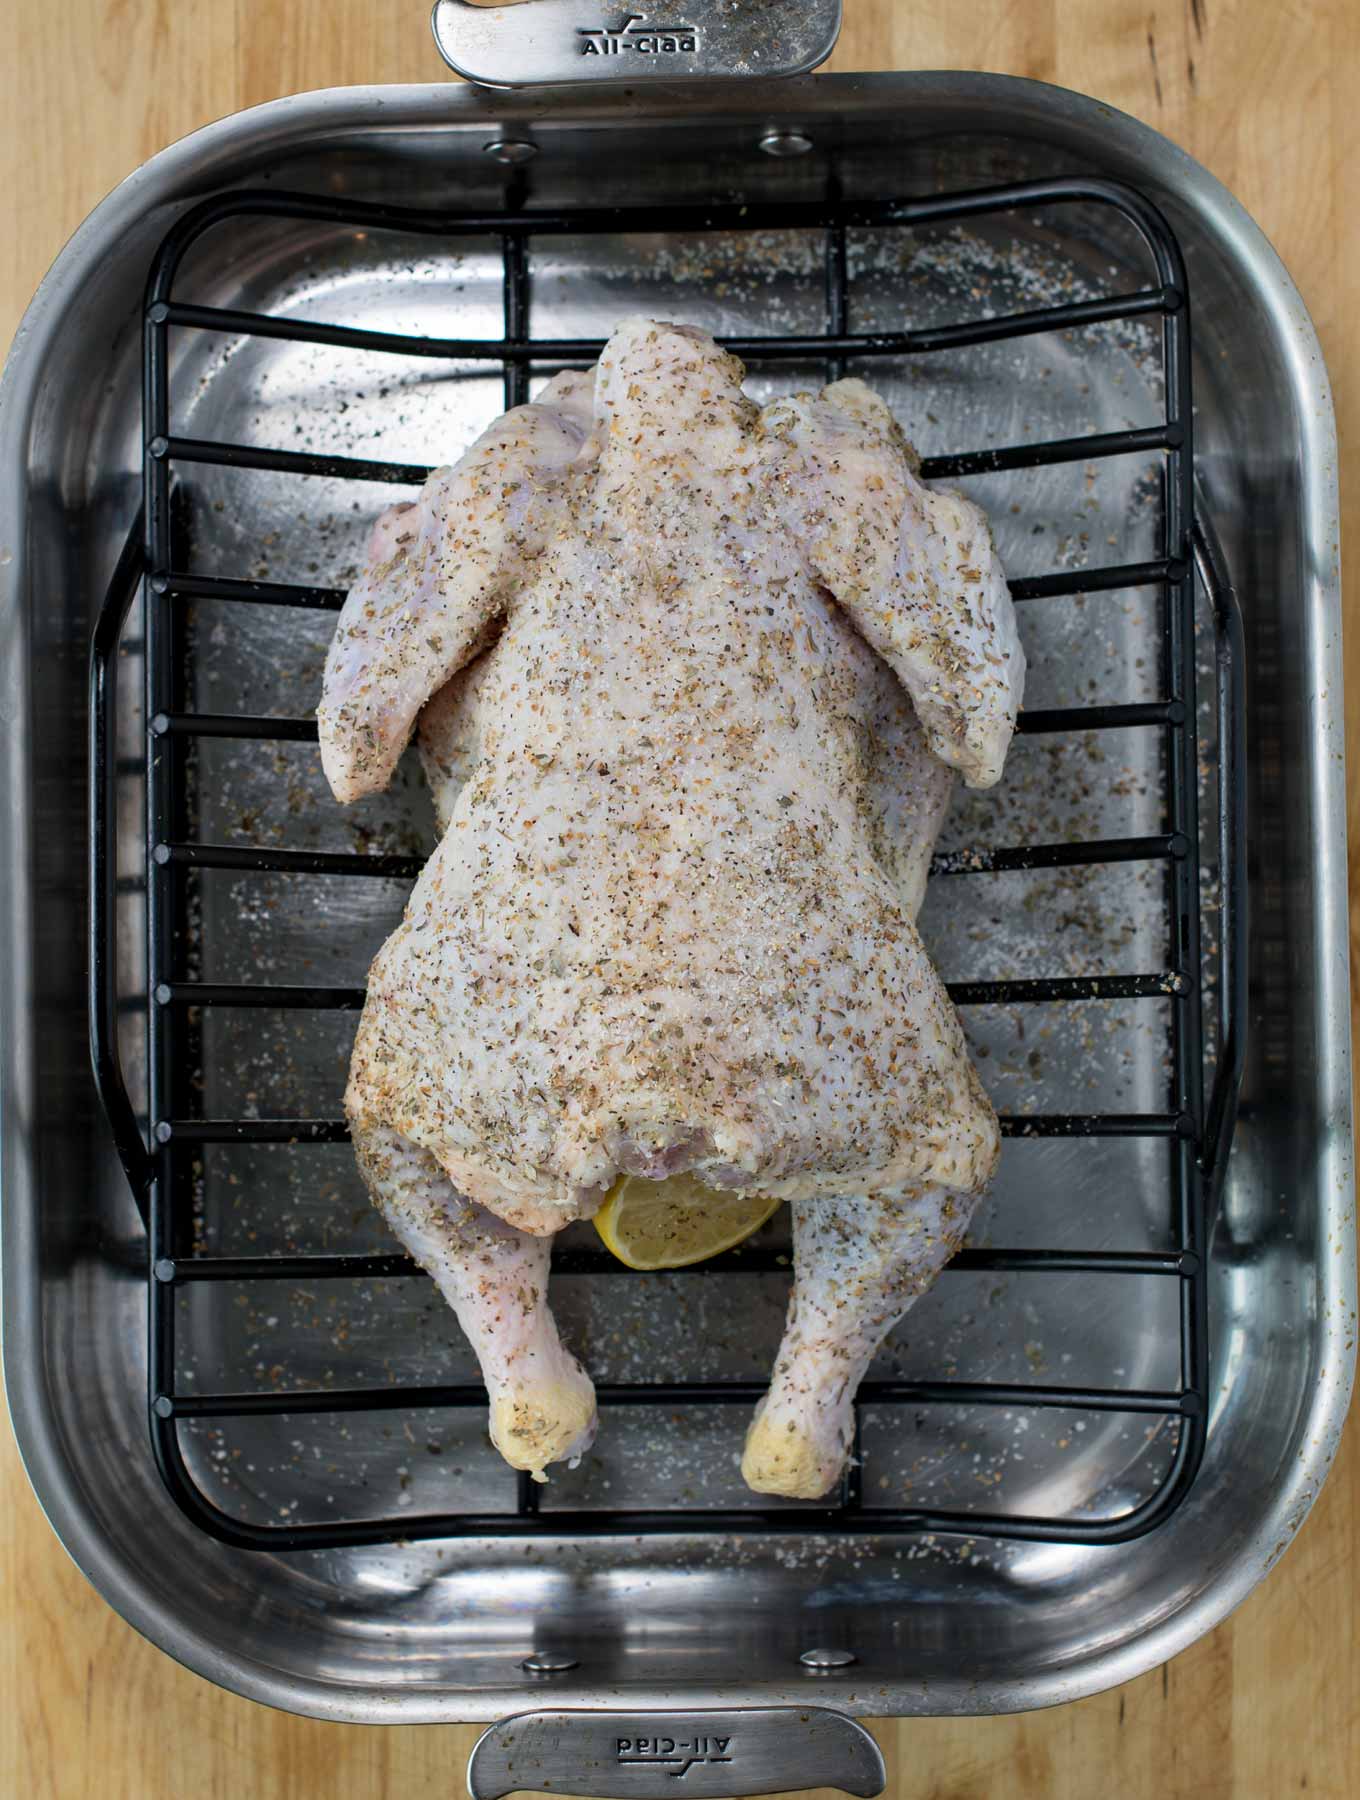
(667,1224)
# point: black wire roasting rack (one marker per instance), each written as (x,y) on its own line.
(1195,1129)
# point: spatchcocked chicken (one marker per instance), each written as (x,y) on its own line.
(692,681)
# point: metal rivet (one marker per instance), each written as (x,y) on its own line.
(160,725)
(158,313)
(785,143)
(545,1662)
(164,1131)
(163,1406)
(159,447)
(164,1269)
(511,150)
(820,1658)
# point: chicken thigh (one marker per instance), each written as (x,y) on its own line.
(683,795)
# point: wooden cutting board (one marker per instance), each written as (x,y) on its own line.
(1267,94)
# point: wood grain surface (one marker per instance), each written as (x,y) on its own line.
(1267,94)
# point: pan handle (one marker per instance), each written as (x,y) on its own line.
(700,1755)
(550,42)
(102,998)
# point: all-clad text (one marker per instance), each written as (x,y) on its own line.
(676,1755)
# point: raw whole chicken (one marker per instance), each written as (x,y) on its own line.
(692,681)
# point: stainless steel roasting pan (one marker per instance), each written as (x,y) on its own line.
(483,1626)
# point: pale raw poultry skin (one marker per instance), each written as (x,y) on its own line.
(664,643)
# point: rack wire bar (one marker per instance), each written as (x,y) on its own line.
(388,1266)
(1194,1130)
(385,867)
(183,584)
(398,474)
(280,730)
(336,1131)
(835,342)
(962,993)
(300,1402)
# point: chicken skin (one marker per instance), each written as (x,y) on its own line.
(694,679)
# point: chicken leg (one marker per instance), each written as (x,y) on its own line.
(496,1280)
(860,1265)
